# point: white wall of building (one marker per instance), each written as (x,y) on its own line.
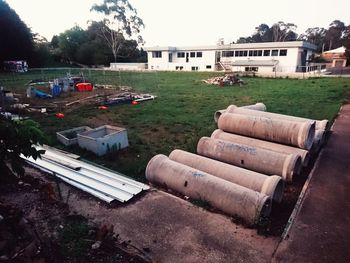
(191,60)
(282,57)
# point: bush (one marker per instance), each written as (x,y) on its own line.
(16,138)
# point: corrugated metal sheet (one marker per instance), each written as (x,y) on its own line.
(102,183)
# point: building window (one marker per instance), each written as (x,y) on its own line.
(193,54)
(180,54)
(250,53)
(156,54)
(266,53)
(179,67)
(241,53)
(259,53)
(170,57)
(274,52)
(199,54)
(253,69)
(283,52)
(208,66)
(227,53)
(194,68)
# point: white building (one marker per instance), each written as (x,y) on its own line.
(265,57)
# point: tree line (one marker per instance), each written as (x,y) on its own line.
(117,38)
(336,35)
(101,43)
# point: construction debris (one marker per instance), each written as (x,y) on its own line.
(227,80)
(103,184)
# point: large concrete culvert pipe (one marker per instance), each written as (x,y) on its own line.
(219,134)
(320,125)
(272,186)
(228,197)
(300,134)
(257,106)
(250,157)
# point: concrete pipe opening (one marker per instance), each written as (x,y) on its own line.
(272,186)
(320,135)
(250,157)
(275,185)
(298,134)
(219,134)
(217,114)
(228,197)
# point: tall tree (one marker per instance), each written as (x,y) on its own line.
(70,41)
(282,31)
(334,34)
(16,41)
(263,33)
(121,23)
(315,36)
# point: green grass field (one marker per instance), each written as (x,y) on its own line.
(183,111)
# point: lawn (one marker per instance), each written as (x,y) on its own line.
(183,111)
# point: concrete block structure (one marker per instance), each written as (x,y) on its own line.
(70,137)
(104,139)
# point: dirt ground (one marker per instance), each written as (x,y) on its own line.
(38,225)
(155,227)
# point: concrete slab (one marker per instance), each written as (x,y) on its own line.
(321,232)
(173,230)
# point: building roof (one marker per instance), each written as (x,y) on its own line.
(337,50)
(251,62)
(262,45)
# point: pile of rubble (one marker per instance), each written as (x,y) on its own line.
(227,80)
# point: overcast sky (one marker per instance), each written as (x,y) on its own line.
(187,22)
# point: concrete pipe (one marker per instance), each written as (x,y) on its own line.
(299,134)
(228,197)
(319,140)
(272,186)
(217,114)
(250,157)
(257,106)
(219,134)
(320,125)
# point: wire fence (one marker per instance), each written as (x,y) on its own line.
(145,80)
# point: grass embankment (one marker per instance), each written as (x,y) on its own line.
(183,111)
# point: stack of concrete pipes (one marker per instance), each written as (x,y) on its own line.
(243,166)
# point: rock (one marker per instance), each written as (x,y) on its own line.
(96,245)
(20,183)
